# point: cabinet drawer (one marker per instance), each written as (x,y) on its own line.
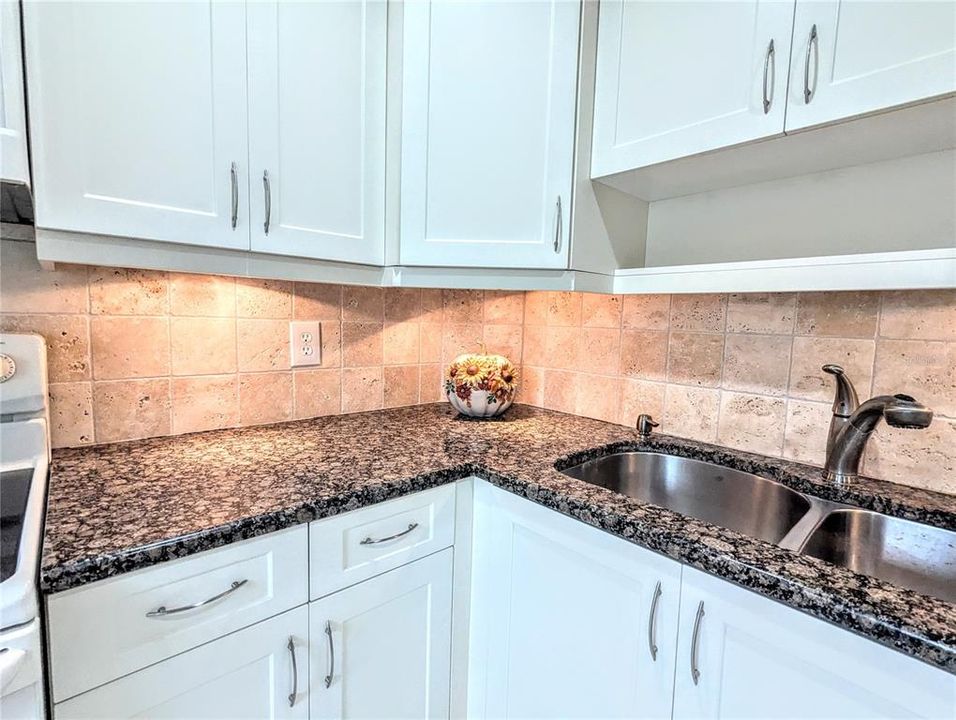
(111,628)
(354,546)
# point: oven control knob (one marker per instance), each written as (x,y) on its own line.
(8,368)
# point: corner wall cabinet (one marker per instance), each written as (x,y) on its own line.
(565,621)
(159,148)
(14,166)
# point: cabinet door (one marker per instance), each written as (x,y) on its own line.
(564,617)
(676,79)
(852,57)
(138,119)
(13,135)
(488,98)
(381,649)
(317,128)
(759,659)
(253,674)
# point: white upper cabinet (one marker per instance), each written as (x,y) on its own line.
(317,129)
(676,79)
(138,119)
(852,57)
(488,109)
(13,132)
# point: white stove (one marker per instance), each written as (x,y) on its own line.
(24,469)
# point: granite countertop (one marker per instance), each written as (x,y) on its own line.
(116,508)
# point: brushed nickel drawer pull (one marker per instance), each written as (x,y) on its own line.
(163,612)
(234,187)
(328,634)
(558,229)
(267,193)
(769,72)
(396,536)
(652,623)
(812,49)
(695,644)
(295,673)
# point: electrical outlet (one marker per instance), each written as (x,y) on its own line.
(305,342)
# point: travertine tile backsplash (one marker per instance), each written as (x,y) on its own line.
(141,353)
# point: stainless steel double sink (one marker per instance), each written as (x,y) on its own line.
(906,553)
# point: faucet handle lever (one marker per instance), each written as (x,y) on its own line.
(845,401)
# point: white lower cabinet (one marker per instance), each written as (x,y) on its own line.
(381,649)
(258,673)
(567,621)
(744,656)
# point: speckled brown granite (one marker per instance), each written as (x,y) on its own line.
(116,508)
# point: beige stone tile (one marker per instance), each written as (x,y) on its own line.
(202,295)
(691,412)
(809,382)
(808,424)
(402,304)
(702,313)
(317,301)
(754,423)
(201,403)
(362,389)
(67,342)
(553,308)
(561,390)
(129,347)
(640,397)
(757,363)
(265,398)
(599,350)
(504,340)
(458,339)
(432,308)
(131,409)
(262,345)
(646,312)
(27,288)
(695,358)
(317,392)
(531,386)
(504,307)
(202,346)
(599,397)
(644,354)
(598,310)
(430,342)
(71,414)
(430,382)
(838,314)
(331,344)
(401,385)
(462,306)
(363,304)
(123,291)
(919,315)
(263,298)
(400,342)
(361,344)
(563,347)
(763,313)
(921,368)
(534,348)
(921,458)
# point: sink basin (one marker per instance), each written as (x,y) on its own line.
(912,555)
(736,500)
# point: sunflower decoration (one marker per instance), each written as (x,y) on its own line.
(481,384)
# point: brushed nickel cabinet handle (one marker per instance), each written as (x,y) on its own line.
(295,673)
(652,623)
(163,612)
(812,48)
(234,179)
(695,643)
(769,72)
(403,533)
(557,225)
(267,190)
(328,635)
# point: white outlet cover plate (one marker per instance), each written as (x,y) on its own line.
(305,343)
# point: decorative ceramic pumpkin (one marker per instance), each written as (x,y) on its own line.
(481,385)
